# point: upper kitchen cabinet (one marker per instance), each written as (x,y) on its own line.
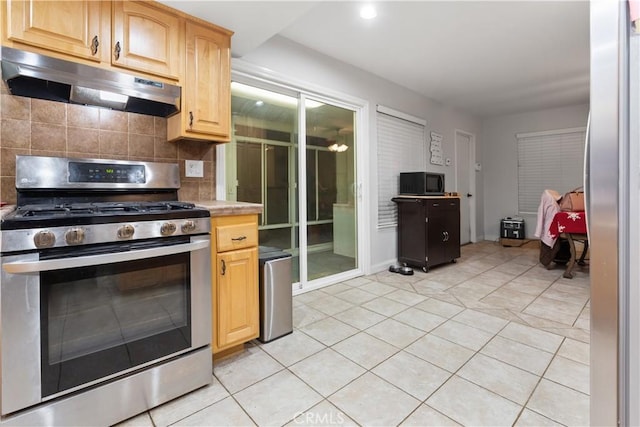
(75,28)
(206,98)
(145,38)
(141,36)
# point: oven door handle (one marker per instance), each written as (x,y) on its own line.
(22,267)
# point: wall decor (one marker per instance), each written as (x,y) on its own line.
(436,149)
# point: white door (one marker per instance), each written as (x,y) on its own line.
(465,184)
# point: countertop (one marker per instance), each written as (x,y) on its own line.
(224,208)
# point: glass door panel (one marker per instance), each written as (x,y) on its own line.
(261,162)
(249,188)
(277,184)
(331,203)
(262,167)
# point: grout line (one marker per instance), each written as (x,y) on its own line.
(402,286)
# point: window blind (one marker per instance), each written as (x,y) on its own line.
(548,160)
(401,148)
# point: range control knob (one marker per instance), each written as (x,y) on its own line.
(188,227)
(126,231)
(74,236)
(44,239)
(167,228)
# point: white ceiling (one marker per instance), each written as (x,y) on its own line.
(483,57)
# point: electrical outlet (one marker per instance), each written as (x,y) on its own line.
(194,168)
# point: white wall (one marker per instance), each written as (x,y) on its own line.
(287,58)
(499,157)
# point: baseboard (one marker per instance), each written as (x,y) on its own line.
(382,266)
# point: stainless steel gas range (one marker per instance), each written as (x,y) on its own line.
(105,295)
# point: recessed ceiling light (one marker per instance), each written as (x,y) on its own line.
(368,12)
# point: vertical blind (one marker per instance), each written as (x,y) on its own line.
(548,160)
(401,148)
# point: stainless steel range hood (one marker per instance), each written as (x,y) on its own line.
(38,76)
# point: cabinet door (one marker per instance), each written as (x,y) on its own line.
(207,87)
(436,236)
(145,38)
(452,228)
(237,310)
(69,27)
(411,232)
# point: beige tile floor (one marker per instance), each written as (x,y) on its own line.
(495,339)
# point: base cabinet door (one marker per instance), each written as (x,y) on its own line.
(436,247)
(412,232)
(452,227)
(237,297)
(235,289)
(443,242)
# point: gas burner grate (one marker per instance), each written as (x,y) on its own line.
(42,210)
(100,208)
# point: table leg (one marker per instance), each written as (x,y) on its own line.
(572,261)
(584,252)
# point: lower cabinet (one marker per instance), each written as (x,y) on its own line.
(428,231)
(234,256)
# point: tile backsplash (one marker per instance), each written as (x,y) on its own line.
(48,128)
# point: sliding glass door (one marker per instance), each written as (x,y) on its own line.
(264,165)
(330,184)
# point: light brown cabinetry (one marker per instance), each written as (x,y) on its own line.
(235,281)
(76,28)
(139,36)
(145,38)
(206,100)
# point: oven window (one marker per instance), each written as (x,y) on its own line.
(101,320)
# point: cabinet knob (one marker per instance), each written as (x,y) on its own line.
(223,267)
(190,119)
(94,45)
(117,50)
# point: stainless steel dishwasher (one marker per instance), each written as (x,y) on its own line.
(276,310)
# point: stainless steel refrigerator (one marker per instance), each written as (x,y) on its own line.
(613,200)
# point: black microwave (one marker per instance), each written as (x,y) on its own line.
(422,183)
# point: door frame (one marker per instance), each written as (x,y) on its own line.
(472,178)
(251,74)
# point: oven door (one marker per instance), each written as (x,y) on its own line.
(79,316)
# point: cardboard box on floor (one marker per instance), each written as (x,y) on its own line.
(513,242)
